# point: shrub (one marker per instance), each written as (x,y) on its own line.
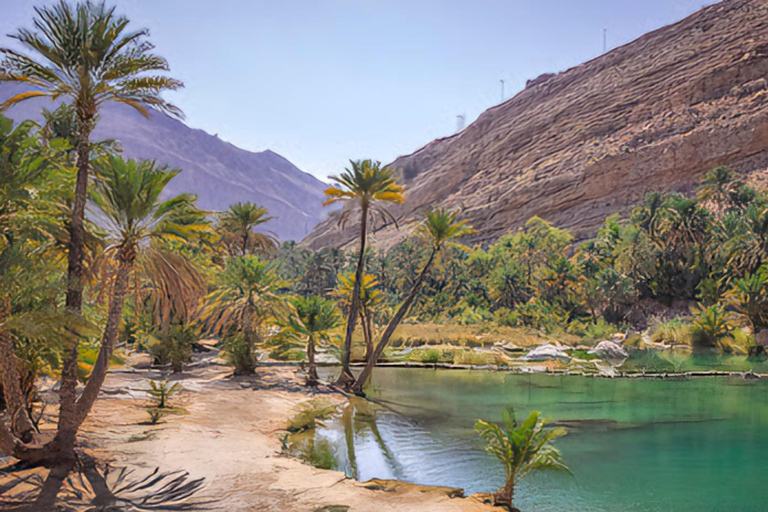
(474,358)
(507,317)
(174,346)
(161,392)
(710,326)
(673,331)
(430,355)
(599,330)
(239,353)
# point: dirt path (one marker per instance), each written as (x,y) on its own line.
(229,435)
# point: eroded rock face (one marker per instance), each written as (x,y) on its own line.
(577,146)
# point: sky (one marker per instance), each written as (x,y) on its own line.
(325,81)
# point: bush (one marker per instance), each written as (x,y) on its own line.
(507,317)
(672,332)
(430,355)
(174,346)
(593,331)
(710,326)
(239,353)
(474,358)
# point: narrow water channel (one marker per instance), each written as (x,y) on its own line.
(634,445)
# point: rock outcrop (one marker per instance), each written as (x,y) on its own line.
(591,141)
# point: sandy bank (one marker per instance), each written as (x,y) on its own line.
(230,436)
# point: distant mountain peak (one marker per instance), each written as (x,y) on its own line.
(219,172)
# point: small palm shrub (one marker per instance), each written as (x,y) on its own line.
(240,353)
(160,391)
(710,326)
(673,331)
(155,415)
(174,346)
(522,448)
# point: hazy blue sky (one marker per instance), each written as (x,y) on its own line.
(324,81)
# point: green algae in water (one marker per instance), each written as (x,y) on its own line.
(636,445)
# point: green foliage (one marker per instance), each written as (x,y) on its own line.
(430,355)
(155,415)
(161,391)
(244,302)
(310,414)
(173,346)
(522,448)
(596,331)
(673,331)
(236,226)
(710,326)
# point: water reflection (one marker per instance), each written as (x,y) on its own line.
(641,445)
(85,486)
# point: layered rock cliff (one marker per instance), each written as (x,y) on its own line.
(582,144)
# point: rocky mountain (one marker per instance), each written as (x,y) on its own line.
(218,172)
(576,146)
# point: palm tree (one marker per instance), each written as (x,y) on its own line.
(137,222)
(243,301)
(440,228)
(314,320)
(717,187)
(522,447)
(365,186)
(238,223)
(84,52)
(749,296)
(370,299)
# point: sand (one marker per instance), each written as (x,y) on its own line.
(229,434)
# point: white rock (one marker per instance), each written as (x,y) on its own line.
(544,353)
(610,350)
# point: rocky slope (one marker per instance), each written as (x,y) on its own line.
(576,146)
(218,172)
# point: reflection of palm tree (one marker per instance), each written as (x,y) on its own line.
(349,437)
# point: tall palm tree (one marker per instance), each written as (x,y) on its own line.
(238,223)
(137,222)
(370,299)
(244,299)
(440,227)
(523,448)
(314,320)
(85,52)
(366,186)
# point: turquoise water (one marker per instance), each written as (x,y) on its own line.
(633,444)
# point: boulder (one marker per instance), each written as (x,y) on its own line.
(609,350)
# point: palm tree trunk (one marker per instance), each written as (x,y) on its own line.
(505,495)
(367,332)
(108,340)
(21,426)
(312,369)
(75,284)
(70,421)
(357,388)
(346,378)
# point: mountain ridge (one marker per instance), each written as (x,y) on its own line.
(576,146)
(217,171)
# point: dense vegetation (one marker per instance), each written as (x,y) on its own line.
(700,258)
(152,274)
